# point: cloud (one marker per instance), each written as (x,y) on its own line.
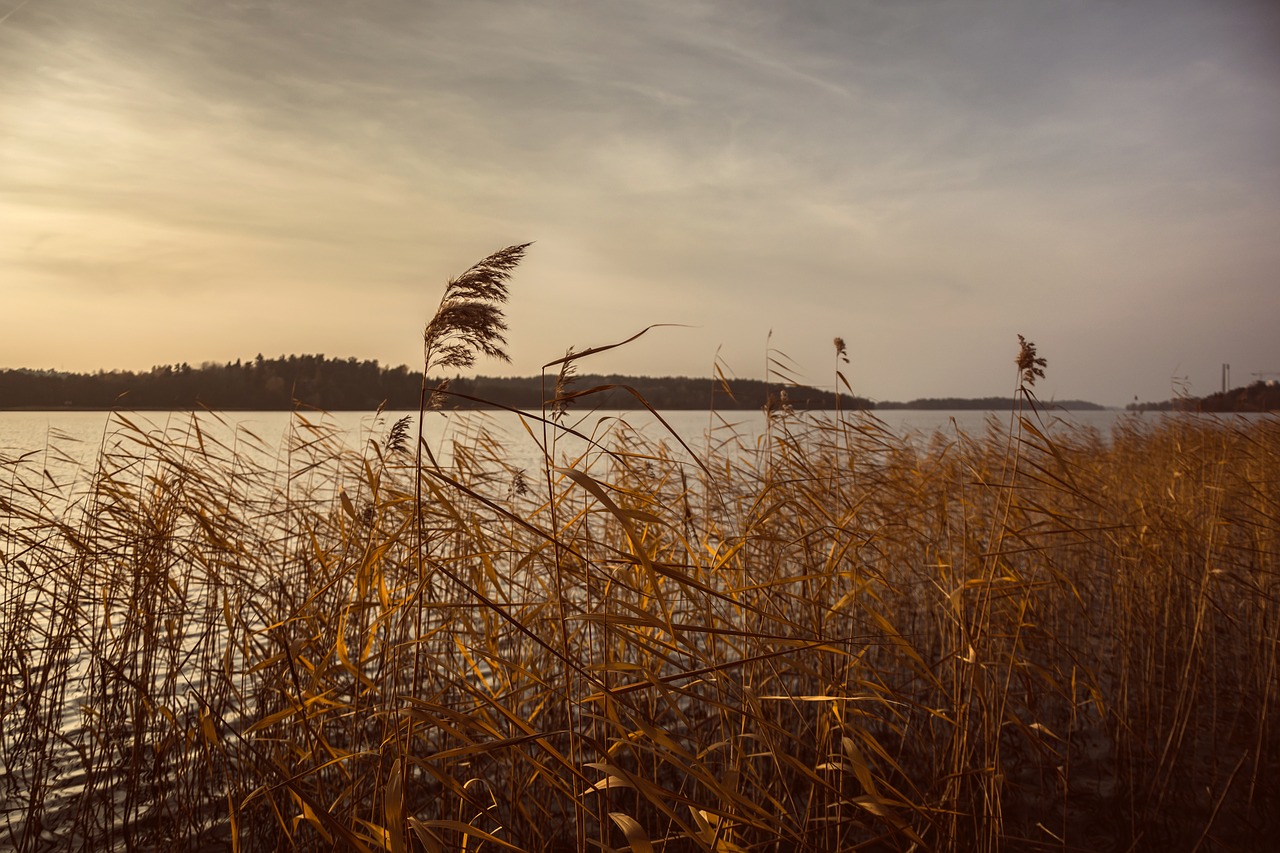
(944,173)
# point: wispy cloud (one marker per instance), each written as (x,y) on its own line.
(945,173)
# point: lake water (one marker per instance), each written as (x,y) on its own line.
(55,449)
(50,456)
(80,434)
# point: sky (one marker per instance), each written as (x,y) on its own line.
(206,180)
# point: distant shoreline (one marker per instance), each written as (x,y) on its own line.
(317,382)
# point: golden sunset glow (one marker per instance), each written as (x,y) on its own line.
(192,181)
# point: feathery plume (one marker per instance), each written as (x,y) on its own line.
(398,437)
(1029,364)
(564,382)
(469,321)
(438,395)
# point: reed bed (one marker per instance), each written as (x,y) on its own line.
(837,638)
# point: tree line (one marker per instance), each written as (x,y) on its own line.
(994,404)
(1261,396)
(334,384)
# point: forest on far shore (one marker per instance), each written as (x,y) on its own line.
(349,384)
(1260,396)
(333,384)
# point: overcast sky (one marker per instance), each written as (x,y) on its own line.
(194,180)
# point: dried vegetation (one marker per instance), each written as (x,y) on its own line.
(839,639)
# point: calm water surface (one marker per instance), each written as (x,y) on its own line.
(61,437)
(33,430)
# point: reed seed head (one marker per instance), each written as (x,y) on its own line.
(519,484)
(1030,366)
(399,435)
(469,321)
(564,383)
(438,395)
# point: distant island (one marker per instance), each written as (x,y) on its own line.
(338,384)
(333,384)
(348,384)
(984,404)
(1261,396)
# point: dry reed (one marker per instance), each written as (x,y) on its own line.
(847,639)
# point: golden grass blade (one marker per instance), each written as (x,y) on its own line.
(636,837)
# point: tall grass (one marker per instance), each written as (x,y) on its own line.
(1026,639)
